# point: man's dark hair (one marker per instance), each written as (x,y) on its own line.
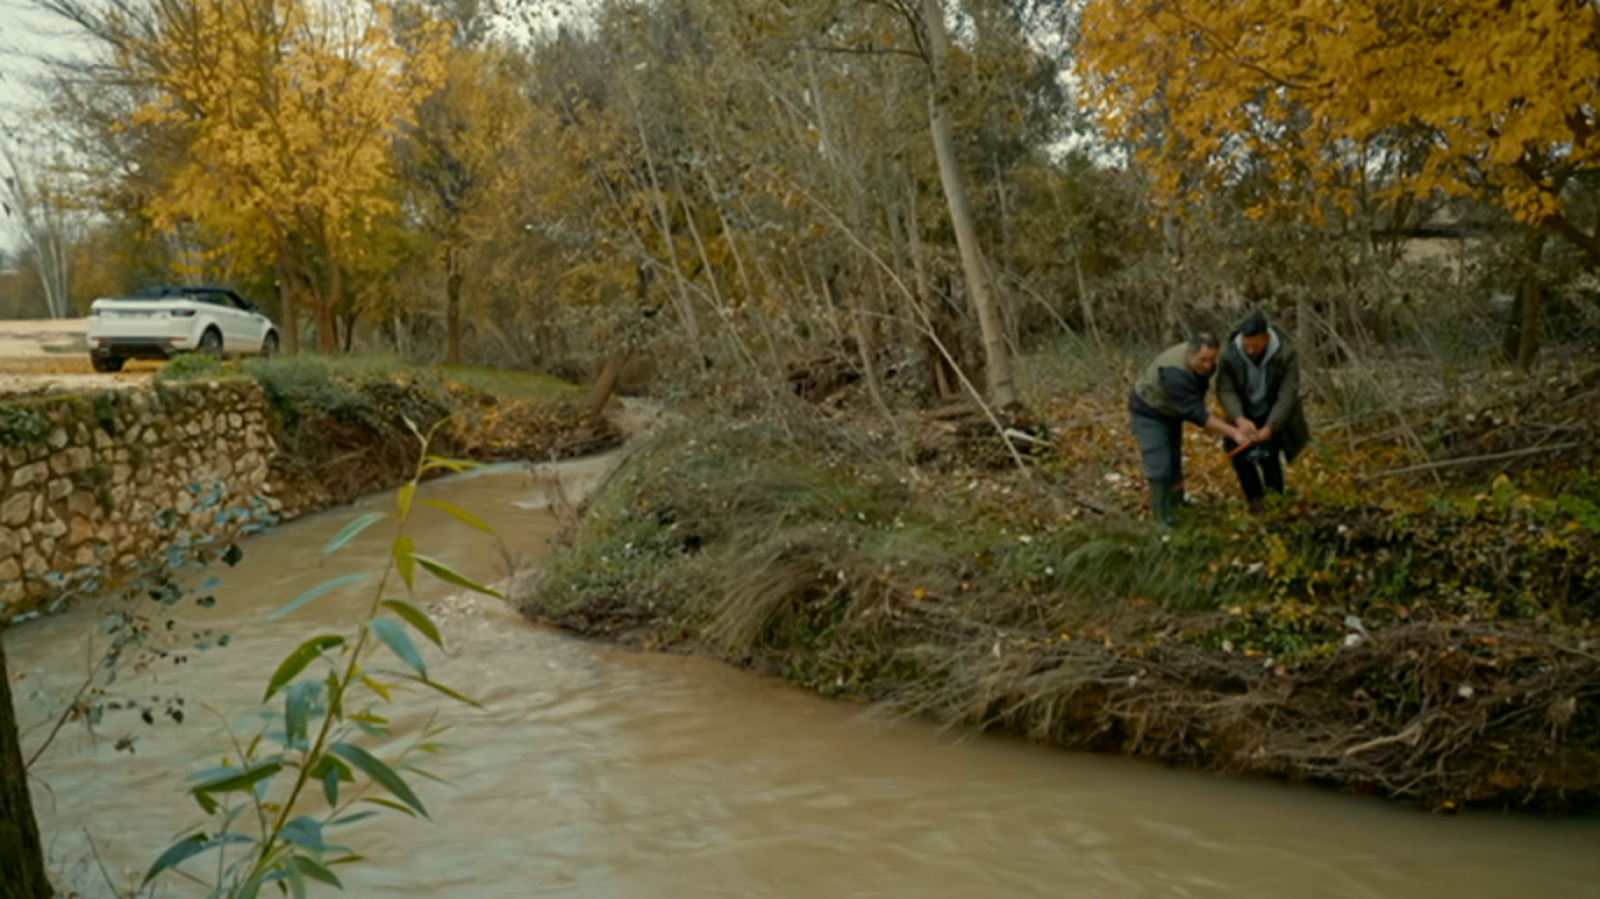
(1254,326)
(1201,340)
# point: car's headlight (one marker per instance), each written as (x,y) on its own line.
(181,313)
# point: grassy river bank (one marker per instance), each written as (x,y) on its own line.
(1425,634)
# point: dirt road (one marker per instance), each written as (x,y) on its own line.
(49,356)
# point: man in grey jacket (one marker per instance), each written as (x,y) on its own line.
(1170,391)
(1258,382)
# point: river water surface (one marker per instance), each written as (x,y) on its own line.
(605,774)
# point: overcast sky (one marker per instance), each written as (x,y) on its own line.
(25,33)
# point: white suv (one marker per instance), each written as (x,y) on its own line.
(161,322)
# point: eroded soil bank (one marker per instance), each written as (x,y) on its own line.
(1431,643)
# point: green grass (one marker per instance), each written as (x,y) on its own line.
(306,369)
(510,384)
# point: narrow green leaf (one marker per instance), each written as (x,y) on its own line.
(433,463)
(297,884)
(416,618)
(404,551)
(240,781)
(434,685)
(304,831)
(351,531)
(389,803)
(374,731)
(314,592)
(449,575)
(412,427)
(351,819)
(332,772)
(460,514)
(296,662)
(315,870)
(188,848)
(299,700)
(251,889)
(335,696)
(381,773)
(423,772)
(378,687)
(213,773)
(395,637)
(206,803)
(403,498)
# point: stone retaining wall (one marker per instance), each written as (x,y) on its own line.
(89,484)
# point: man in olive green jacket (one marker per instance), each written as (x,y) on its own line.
(1172,390)
(1259,386)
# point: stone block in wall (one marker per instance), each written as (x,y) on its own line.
(70,461)
(58,489)
(80,531)
(51,527)
(17,509)
(30,474)
(10,543)
(83,503)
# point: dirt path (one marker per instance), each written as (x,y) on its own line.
(48,356)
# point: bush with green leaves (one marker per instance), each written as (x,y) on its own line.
(281,792)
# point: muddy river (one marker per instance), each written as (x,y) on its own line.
(604,774)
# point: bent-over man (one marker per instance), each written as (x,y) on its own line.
(1259,386)
(1172,390)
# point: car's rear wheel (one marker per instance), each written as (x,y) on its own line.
(106,363)
(269,346)
(211,342)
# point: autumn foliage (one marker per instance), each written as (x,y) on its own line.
(1478,96)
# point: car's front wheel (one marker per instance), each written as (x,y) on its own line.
(269,346)
(211,343)
(106,363)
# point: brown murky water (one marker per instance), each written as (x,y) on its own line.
(602,774)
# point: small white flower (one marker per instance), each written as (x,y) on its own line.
(1465,692)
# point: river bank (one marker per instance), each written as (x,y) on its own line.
(598,771)
(1433,644)
(100,488)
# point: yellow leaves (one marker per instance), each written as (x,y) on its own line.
(288,110)
(1298,80)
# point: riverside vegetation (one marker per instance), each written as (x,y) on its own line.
(1426,633)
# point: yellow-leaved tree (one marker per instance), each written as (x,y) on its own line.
(286,112)
(1318,98)
(1499,99)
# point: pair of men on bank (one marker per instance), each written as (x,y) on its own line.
(1258,384)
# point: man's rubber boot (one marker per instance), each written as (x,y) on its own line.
(1164,500)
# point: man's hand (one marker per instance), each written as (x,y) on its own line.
(1247,431)
(1264,434)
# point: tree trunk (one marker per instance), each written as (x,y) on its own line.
(328,314)
(452,305)
(605,384)
(1532,304)
(997,356)
(289,315)
(21,852)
